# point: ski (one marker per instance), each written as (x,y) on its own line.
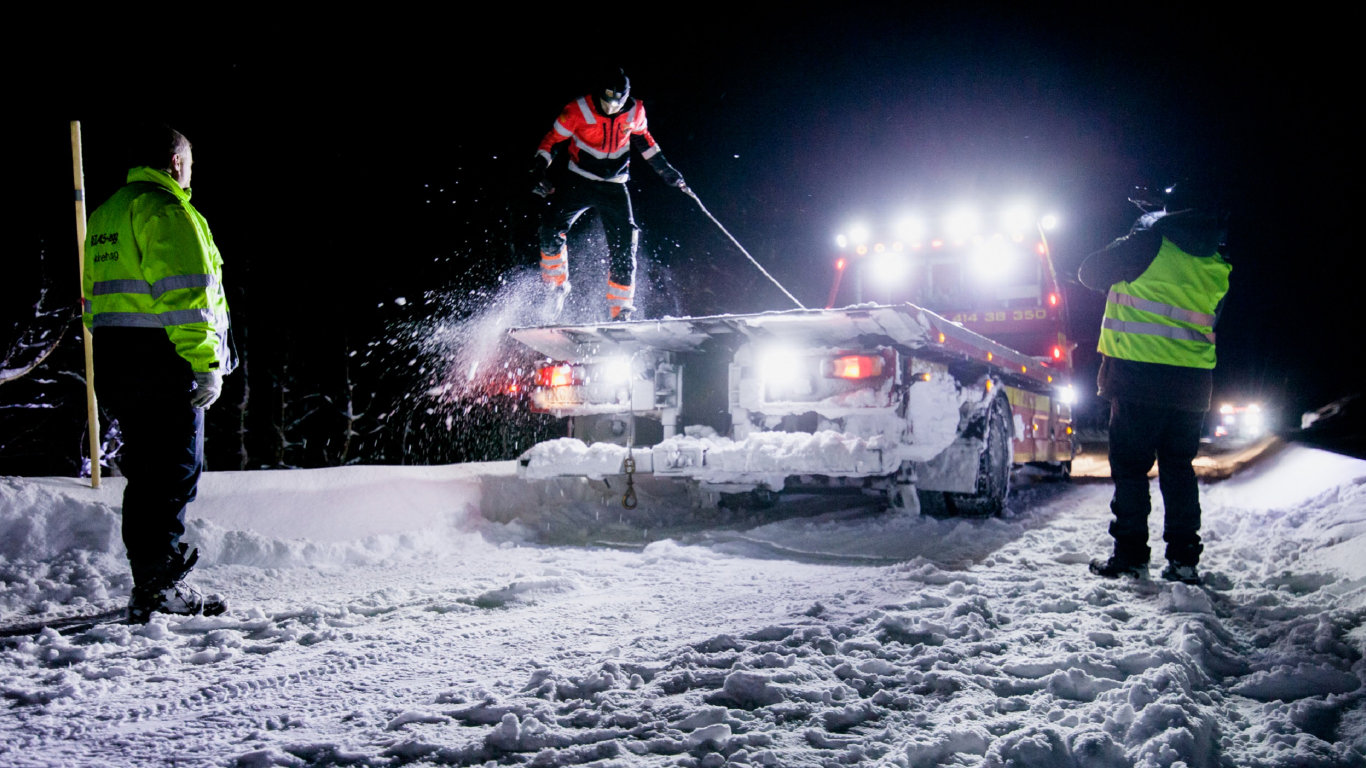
(66,624)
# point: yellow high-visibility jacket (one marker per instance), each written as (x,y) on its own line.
(150,262)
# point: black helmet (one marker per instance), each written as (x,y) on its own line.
(613,87)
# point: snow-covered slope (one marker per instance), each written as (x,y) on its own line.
(438,616)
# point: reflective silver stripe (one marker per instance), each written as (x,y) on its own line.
(586,110)
(563,131)
(172,283)
(1154,329)
(177,282)
(1158,308)
(150,320)
(618,179)
(599,154)
(106,287)
(125,320)
(651,152)
(183,316)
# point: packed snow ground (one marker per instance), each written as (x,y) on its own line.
(459,616)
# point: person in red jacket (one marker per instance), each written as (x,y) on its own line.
(598,130)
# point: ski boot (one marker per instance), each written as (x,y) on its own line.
(1118,567)
(624,314)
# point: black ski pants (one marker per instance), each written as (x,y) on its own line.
(1140,434)
(572,198)
(144,384)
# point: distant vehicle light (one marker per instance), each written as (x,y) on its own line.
(1067,394)
(1239,422)
(840,264)
(854,367)
(1049,222)
(841,241)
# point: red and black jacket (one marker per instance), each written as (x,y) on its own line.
(600,145)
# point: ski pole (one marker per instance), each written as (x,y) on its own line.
(688,191)
(92,410)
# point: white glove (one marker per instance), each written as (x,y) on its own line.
(208,386)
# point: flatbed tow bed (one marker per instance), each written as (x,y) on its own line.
(890,398)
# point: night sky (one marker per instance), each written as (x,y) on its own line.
(344,163)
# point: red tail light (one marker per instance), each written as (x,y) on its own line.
(855,366)
(1057,353)
(1052,299)
(555,376)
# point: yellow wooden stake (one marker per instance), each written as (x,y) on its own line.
(92,409)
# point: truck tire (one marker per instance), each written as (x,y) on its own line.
(993,470)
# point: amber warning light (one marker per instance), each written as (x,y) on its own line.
(555,376)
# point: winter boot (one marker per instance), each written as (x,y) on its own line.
(1186,574)
(178,598)
(163,589)
(1118,567)
(624,314)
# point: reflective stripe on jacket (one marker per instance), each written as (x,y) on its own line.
(600,145)
(150,262)
(1167,314)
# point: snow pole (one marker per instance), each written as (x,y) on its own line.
(688,191)
(92,409)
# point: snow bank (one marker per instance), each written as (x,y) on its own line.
(424,633)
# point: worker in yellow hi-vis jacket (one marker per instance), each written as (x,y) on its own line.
(154,301)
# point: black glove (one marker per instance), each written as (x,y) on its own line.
(540,185)
(673,178)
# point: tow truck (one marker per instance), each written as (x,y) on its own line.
(930,401)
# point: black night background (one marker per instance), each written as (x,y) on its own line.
(367,178)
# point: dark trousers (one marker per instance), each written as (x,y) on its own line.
(1140,434)
(144,384)
(574,196)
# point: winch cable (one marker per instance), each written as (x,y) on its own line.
(688,191)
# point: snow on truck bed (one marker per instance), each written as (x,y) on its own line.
(435,616)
